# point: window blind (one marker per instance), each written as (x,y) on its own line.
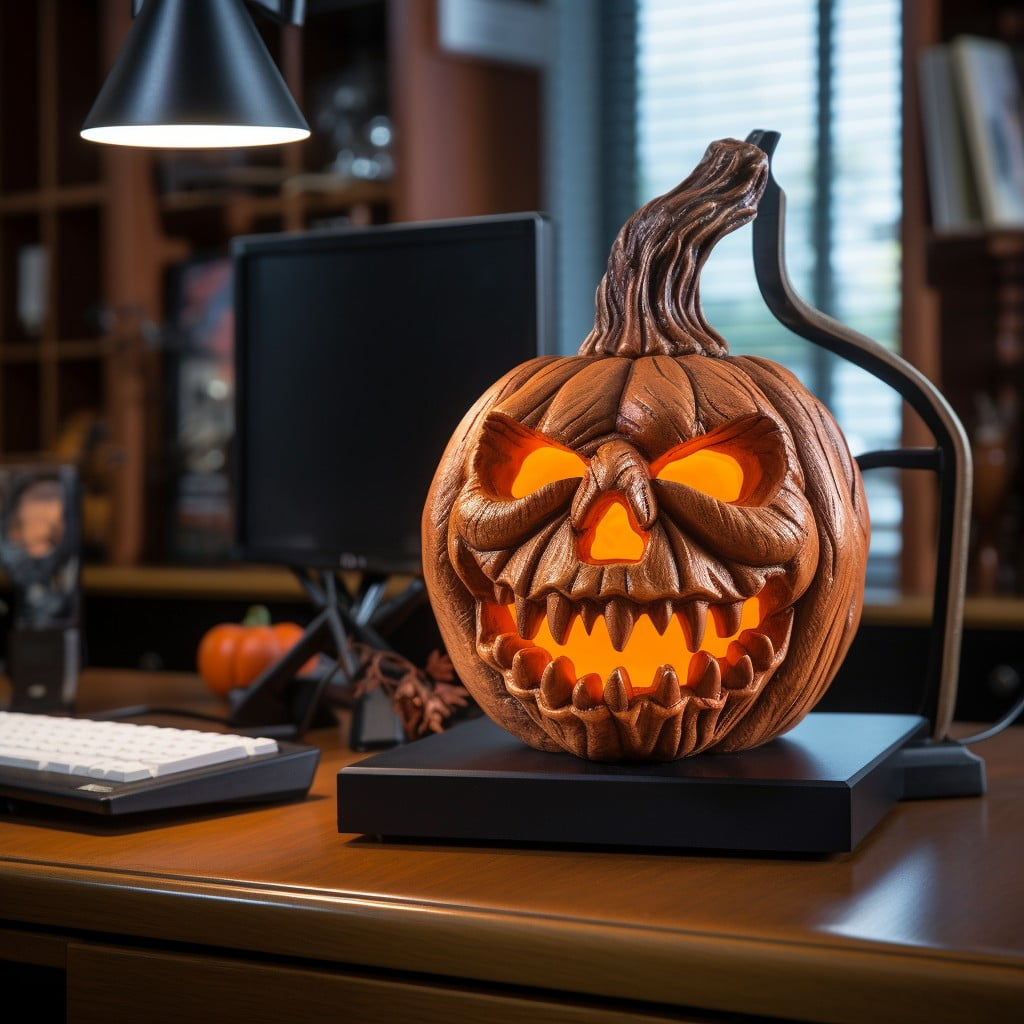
(826,75)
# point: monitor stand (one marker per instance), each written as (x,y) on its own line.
(282,703)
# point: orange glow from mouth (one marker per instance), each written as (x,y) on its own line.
(594,654)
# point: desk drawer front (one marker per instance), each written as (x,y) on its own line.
(107,984)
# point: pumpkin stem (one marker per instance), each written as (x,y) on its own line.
(648,301)
(257,615)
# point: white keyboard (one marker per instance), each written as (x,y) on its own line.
(117,751)
(111,766)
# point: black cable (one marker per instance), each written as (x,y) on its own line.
(998,727)
(134,710)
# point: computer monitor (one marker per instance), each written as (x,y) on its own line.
(357,352)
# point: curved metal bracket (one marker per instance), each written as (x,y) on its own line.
(951,458)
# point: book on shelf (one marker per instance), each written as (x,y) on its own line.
(988,85)
(952,190)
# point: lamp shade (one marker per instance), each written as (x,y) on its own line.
(194,74)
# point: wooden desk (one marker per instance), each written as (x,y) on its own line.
(269,914)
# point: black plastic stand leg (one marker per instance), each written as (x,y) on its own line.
(280,702)
(285,704)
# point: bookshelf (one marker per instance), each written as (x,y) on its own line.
(963,314)
(82,371)
(68,371)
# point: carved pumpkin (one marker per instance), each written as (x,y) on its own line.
(653,548)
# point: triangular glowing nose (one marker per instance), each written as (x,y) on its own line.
(613,536)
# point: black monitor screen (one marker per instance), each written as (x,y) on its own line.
(357,354)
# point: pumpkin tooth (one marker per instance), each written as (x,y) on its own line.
(528,665)
(704,676)
(506,647)
(759,647)
(618,690)
(503,594)
(693,615)
(582,698)
(728,616)
(666,690)
(557,682)
(529,616)
(777,627)
(561,613)
(660,613)
(619,616)
(740,675)
(589,613)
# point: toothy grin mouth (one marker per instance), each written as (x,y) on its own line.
(588,654)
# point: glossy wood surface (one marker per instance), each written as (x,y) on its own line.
(924,921)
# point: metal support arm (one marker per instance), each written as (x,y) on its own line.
(951,458)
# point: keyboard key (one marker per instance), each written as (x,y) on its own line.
(118,771)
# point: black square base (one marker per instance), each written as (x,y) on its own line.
(819,789)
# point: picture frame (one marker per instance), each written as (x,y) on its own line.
(40,554)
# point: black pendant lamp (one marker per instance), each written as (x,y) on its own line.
(194,74)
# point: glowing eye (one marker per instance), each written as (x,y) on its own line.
(708,470)
(544,466)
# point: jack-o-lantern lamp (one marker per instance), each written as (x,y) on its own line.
(653,548)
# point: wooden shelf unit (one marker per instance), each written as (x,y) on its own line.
(53,201)
(85,382)
(963,325)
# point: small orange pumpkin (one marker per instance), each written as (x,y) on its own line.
(652,548)
(233,654)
